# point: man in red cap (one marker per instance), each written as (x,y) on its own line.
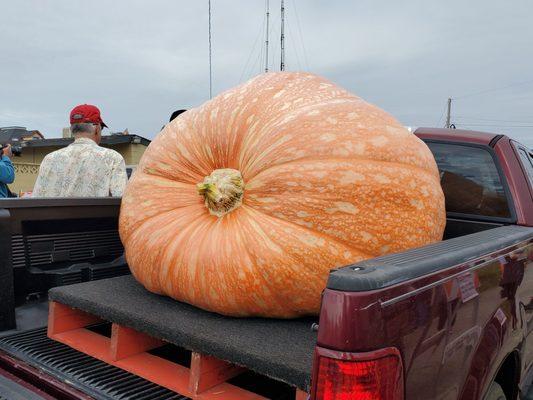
(82,169)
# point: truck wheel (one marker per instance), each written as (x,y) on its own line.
(495,392)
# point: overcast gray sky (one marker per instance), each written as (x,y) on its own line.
(140,60)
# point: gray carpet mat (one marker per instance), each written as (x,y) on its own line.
(280,349)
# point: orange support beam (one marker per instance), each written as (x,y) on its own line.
(208,372)
(62,318)
(158,370)
(86,341)
(301,395)
(126,342)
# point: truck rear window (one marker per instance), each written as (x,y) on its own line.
(470,180)
(526,159)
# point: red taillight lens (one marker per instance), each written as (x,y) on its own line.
(379,379)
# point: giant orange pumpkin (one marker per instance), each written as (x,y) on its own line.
(243,205)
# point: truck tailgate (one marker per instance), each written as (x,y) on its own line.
(279,349)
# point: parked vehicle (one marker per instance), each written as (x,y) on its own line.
(452,320)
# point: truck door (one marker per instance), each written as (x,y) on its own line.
(475,191)
(526,302)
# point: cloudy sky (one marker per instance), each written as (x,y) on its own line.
(140,60)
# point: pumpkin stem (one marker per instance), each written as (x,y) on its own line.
(222,191)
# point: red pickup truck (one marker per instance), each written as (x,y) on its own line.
(452,320)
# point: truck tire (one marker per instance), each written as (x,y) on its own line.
(495,392)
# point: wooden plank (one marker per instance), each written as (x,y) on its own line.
(62,318)
(126,342)
(226,391)
(155,369)
(208,372)
(86,341)
(158,370)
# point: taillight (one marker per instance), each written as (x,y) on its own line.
(360,376)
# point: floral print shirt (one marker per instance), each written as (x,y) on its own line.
(82,169)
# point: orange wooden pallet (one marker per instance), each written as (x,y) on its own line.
(205,378)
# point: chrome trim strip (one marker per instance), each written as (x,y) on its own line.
(441,281)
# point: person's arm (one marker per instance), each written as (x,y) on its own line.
(119,178)
(39,189)
(7,171)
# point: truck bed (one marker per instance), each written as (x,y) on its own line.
(279,349)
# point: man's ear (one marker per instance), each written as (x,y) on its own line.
(98,133)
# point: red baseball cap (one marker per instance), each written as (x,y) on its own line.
(86,113)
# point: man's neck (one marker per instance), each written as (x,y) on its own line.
(81,136)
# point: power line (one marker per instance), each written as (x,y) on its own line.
(497,125)
(274,31)
(210,55)
(260,65)
(449,104)
(296,52)
(494,89)
(442,115)
(306,60)
(254,47)
(493,120)
(263,50)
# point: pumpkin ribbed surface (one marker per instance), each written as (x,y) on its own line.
(243,205)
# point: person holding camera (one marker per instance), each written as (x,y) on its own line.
(83,168)
(7,172)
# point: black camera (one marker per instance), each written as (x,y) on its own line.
(16,150)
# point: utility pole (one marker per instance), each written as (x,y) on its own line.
(282,65)
(266,40)
(448,115)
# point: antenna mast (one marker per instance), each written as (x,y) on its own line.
(266,40)
(210,55)
(282,64)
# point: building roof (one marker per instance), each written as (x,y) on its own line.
(11,134)
(451,134)
(106,140)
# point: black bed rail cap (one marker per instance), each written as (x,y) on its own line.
(380,272)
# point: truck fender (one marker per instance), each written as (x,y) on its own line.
(485,361)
